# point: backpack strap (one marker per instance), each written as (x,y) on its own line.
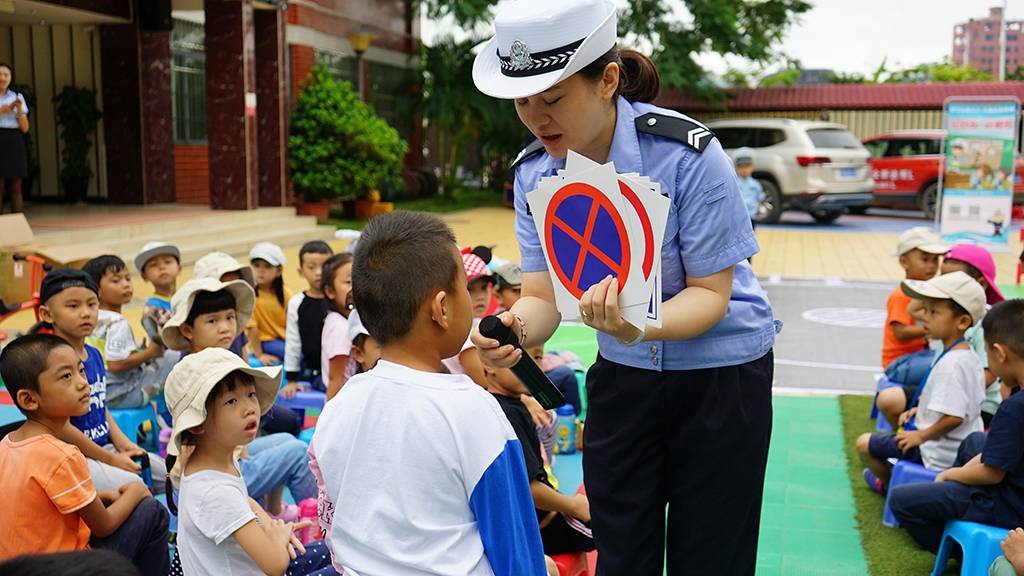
(688,131)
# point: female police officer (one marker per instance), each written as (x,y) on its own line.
(677,416)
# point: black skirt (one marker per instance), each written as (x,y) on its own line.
(13,158)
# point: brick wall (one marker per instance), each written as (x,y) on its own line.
(303,60)
(192,174)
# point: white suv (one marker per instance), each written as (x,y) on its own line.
(816,167)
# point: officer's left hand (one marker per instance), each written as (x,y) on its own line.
(599,307)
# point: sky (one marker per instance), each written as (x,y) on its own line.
(853,36)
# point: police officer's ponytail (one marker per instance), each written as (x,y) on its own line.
(639,80)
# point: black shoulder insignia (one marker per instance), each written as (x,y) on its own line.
(690,132)
(531,149)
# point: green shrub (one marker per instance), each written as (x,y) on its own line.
(339,147)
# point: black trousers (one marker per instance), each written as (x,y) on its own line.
(695,441)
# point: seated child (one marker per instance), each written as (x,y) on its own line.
(49,501)
(365,351)
(69,301)
(135,374)
(449,493)
(918,250)
(508,285)
(564,520)
(987,481)
(159,263)
(209,314)
(952,392)
(335,345)
(216,400)
(467,361)
(269,320)
(306,314)
(224,267)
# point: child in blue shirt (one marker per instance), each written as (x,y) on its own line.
(750,188)
(159,263)
(70,302)
(986,484)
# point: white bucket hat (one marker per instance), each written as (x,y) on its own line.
(956,286)
(192,379)
(216,264)
(181,304)
(539,43)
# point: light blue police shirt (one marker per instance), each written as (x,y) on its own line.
(708,230)
(8,120)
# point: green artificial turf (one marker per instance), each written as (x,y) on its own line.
(889,551)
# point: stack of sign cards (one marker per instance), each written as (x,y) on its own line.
(594,223)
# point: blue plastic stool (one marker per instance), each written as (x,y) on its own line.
(905,472)
(881,424)
(304,399)
(129,420)
(307,435)
(979,542)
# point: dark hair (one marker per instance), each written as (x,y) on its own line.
(402,259)
(314,247)
(8,66)
(969,268)
(95,562)
(209,302)
(639,80)
(1004,324)
(329,271)
(277,285)
(99,266)
(24,360)
(229,383)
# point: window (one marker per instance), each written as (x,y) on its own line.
(832,138)
(341,67)
(734,137)
(877,148)
(388,85)
(765,137)
(188,82)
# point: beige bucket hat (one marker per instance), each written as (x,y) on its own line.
(192,379)
(216,264)
(181,303)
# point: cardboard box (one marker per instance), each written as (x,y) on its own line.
(16,238)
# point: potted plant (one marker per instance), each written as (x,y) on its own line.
(77,115)
(339,148)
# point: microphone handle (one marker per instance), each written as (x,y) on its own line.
(525,369)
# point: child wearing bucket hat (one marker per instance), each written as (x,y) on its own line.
(575,89)
(224,267)
(269,323)
(948,400)
(209,314)
(216,400)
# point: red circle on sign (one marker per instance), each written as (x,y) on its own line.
(645,221)
(570,282)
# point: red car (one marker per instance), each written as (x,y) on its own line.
(905,166)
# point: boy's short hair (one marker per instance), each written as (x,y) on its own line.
(314,247)
(94,562)
(63,278)
(1004,324)
(99,266)
(402,259)
(24,360)
(208,303)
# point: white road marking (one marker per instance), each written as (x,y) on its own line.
(829,366)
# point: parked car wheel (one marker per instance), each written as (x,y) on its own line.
(826,216)
(928,199)
(858,210)
(771,207)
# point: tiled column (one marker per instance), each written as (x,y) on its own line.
(272,80)
(137,116)
(231,127)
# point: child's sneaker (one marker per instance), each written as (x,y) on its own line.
(874,482)
(289,513)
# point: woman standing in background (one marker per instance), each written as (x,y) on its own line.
(13,122)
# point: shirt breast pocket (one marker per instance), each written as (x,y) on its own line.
(715,191)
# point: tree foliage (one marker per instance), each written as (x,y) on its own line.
(338,146)
(748,28)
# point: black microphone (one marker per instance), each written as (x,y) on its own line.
(525,369)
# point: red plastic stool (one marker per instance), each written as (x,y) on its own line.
(571,564)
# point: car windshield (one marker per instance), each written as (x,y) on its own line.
(833,138)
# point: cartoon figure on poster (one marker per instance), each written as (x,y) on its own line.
(978,181)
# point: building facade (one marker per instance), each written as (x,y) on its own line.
(977,42)
(196,94)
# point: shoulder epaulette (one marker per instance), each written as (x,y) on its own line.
(531,149)
(689,132)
